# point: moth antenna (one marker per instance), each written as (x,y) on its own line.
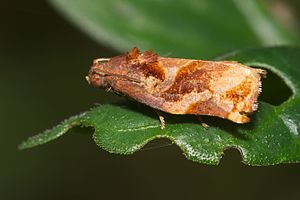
(100,60)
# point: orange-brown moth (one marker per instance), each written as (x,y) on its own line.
(225,89)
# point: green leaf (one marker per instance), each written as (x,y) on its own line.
(189,29)
(272,137)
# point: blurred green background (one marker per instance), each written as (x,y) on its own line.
(43,62)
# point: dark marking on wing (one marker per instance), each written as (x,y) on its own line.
(195,76)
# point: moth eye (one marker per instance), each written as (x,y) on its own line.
(96,80)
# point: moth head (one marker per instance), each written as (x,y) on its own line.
(127,67)
(106,71)
(98,72)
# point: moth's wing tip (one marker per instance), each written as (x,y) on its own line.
(262,72)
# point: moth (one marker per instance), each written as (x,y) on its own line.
(225,89)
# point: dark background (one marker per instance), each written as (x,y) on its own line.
(43,61)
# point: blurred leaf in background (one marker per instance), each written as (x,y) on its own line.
(192,29)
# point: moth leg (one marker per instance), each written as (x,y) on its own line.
(237,117)
(203,124)
(161,119)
